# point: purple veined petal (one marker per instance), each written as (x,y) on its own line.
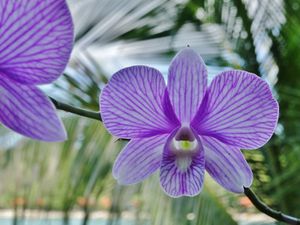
(139,159)
(36,39)
(135,103)
(26,110)
(227,165)
(182,174)
(239,110)
(187,83)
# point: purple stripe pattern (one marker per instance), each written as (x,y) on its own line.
(227,165)
(36,39)
(132,104)
(186,88)
(239,109)
(139,159)
(184,128)
(26,110)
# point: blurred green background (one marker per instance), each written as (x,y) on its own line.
(71,183)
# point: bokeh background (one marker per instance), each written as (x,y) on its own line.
(70,183)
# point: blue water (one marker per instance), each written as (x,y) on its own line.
(58,222)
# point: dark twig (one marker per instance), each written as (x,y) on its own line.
(75,110)
(269,211)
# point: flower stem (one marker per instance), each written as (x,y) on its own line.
(77,111)
(261,206)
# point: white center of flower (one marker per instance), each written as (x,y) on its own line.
(184,141)
(184,146)
(183,162)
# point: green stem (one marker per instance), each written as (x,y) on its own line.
(77,111)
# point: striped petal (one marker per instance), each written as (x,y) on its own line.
(187,83)
(139,159)
(182,173)
(26,110)
(239,110)
(227,165)
(36,38)
(135,104)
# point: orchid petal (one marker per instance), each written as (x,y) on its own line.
(187,83)
(26,110)
(135,104)
(139,159)
(182,175)
(227,165)
(239,110)
(36,39)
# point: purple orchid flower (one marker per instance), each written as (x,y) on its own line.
(185,128)
(36,38)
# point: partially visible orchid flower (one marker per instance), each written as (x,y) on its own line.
(36,38)
(185,128)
